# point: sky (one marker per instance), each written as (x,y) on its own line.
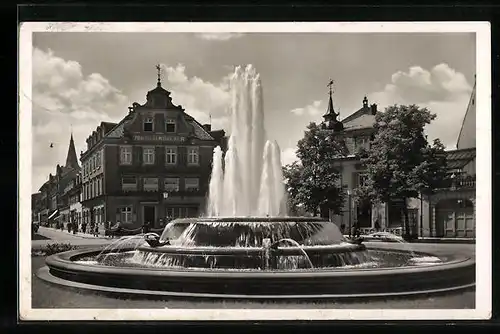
(83,78)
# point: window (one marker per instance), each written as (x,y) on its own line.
(171,155)
(193,157)
(362,142)
(126,214)
(98,160)
(362,179)
(150,184)
(125,155)
(94,162)
(170,126)
(98,187)
(129,183)
(192,184)
(148,155)
(148,124)
(171,184)
(177,212)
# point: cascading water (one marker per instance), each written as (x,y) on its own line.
(251,181)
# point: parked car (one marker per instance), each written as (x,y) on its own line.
(382,236)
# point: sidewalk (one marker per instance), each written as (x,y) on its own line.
(77,234)
(58,236)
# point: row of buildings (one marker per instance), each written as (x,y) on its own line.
(154,163)
(449,212)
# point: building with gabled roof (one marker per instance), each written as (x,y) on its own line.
(153,164)
(449,212)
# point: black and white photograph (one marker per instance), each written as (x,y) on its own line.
(194,171)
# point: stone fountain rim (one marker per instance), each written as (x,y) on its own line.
(250,219)
(308,284)
(65,261)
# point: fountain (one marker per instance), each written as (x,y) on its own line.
(246,246)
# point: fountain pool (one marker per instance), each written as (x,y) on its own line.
(256,258)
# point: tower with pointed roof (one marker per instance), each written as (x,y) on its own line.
(71,158)
(330,117)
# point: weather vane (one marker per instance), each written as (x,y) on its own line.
(158,68)
(330,85)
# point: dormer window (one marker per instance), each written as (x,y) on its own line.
(170,126)
(148,124)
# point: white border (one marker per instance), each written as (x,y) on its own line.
(483,166)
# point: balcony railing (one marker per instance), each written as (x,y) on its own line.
(459,182)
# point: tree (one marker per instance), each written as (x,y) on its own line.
(401,164)
(313,181)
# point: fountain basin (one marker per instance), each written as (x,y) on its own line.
(63,269)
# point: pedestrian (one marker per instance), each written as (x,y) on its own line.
(84,227)
(377,225)
(96,230)
(145,227)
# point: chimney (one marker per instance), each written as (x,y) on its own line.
(373,108)
(207,127)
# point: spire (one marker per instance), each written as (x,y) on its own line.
(71,159)
(330,112)
(331,122)
(158,68)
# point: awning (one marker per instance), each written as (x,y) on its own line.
(53,214)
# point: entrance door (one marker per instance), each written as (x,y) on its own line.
(455,218)
(150,214)
(364,214)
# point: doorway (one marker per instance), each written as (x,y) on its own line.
(364,214)
(455,218)
(149,214)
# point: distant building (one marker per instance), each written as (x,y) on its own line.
(36,207)
(155,163)
(450,212)
(54,206)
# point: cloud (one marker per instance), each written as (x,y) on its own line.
(313,109)
(65,101)
(443,90)
(288,156)
(220,36)
(201,99)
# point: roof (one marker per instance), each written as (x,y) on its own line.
(108,126)
(459,158)
(362,118)
(467,135)
(71,159)
(361,122)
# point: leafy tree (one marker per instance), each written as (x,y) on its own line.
(313,181)
(401,163)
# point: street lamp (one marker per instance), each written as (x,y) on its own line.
(349,194)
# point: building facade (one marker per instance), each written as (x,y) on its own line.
(448,212)
(152,165)
(54,207)
(451,210)
(36,207)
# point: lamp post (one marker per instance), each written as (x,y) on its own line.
(349,193)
